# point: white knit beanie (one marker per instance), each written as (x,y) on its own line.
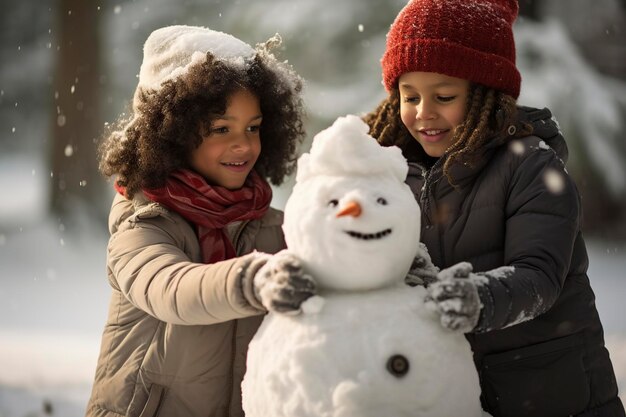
(170,51)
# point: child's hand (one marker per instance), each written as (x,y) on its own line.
(281,285)
(455,296)
(422,271)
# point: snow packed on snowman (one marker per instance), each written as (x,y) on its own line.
(368,344)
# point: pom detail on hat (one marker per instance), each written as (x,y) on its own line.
(170,51)
(468,39)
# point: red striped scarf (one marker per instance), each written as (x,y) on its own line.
(210,208)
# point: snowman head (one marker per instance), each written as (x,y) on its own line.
(351,218)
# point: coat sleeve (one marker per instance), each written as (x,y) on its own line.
(542,221)
(147,265)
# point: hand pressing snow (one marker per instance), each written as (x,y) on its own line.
(455,296)
(422,271)
(281,285)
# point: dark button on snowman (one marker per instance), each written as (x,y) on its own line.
(366,346)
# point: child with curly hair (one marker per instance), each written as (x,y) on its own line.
(191,227)
(500,214)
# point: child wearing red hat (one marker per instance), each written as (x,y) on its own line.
(501,216)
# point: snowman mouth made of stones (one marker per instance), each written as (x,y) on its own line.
(369,236)
(353,208)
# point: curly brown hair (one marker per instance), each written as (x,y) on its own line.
(489,115)
(168,123)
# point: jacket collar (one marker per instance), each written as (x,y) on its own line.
(544,126)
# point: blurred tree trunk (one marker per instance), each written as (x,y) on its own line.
(76,123)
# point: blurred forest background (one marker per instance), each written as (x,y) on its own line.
(70,66)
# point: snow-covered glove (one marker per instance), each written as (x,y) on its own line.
(281,284)
(455,296)
(422,271)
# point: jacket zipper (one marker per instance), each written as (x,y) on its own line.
(233,353)
(425,196)
(425,200)
(232,369)
(237,235)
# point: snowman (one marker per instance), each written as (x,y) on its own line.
(366,345)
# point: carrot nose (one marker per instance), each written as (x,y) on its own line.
(351,209)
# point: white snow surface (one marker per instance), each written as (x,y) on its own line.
(336,363)
(347,168)
(356,226)
(346,149)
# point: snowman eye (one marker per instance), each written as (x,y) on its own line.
(333,203)
(381,201)
(398,365)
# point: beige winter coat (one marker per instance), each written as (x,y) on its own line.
(177,333)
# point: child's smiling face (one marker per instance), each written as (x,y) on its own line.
(432,105)
(232,145)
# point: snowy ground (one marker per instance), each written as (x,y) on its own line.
(54,295)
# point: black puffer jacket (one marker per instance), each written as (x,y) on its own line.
(539,346)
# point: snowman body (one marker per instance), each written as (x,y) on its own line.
(367,354)
(367,345)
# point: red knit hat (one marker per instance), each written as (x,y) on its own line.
(469,39)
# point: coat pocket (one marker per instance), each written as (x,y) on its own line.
(543,380)
(154,400)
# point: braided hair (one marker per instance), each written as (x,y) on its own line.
(489,115)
